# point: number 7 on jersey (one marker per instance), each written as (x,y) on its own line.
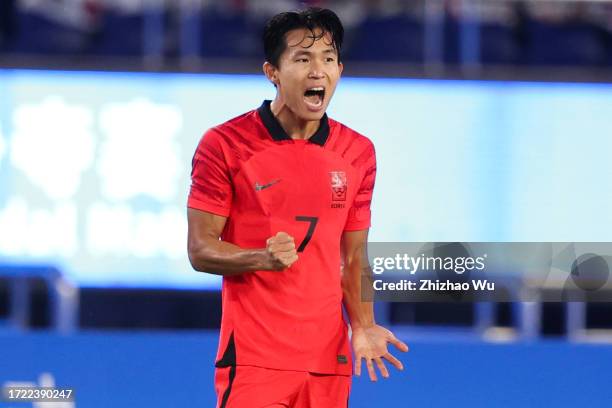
(311,227)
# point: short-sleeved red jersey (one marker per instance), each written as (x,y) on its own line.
(250,171)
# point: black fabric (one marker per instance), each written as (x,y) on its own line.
(278,133)
(228,360)
(226,394)
(229,355)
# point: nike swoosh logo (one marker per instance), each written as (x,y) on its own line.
(259,187)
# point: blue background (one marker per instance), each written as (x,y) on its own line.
(175,370)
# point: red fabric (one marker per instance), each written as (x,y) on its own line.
(256,387)
(289,320)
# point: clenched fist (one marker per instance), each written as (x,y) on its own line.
(281,251)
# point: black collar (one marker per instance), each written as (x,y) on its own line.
(278,133)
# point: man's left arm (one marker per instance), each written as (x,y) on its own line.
(369,340)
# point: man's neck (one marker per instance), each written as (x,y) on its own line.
(295,127)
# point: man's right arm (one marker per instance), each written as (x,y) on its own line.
(207,253)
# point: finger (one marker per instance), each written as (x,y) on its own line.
(292,259)
(283,236)
(358,366)
(401,346)
(382,367)
(276,246)
(288,260)
(286,255)
(283,247)
(282,250)
(394,361)
(277,241)
(371,371)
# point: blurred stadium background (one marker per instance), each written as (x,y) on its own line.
(492,121)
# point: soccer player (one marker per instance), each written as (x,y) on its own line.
(280,207)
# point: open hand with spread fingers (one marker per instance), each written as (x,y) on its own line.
(370,344)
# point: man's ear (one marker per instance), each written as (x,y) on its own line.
(271,72)
(341,67)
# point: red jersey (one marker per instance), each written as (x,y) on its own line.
(250,171)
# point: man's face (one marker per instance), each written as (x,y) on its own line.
(308,72)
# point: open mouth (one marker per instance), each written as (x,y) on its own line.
(315,96)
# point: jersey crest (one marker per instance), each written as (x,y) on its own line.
(338,185)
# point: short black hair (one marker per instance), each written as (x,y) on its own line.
(311,18)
